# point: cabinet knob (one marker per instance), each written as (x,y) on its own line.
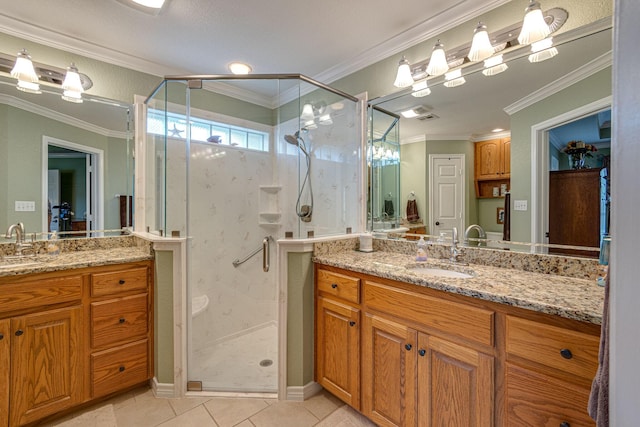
(121,369)
(334,285)
(408,346)
(422,352)
(19,332)
(121,282)
(566,353)
(352,323)
(1,336)
(121,320)
(565,424)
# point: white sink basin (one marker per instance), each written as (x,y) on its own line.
(440,272)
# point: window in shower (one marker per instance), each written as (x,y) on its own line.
(204,130)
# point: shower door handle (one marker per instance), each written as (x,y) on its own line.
(265,254)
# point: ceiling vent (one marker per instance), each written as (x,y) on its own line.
(428,116)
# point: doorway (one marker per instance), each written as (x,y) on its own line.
(72,187)
(544,160)
(446,192)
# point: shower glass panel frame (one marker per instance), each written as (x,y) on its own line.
(384,211)
(222,174)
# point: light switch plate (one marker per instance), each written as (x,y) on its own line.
(519,205)
(25,206)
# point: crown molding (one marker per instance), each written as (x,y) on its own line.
(63,118)
(589,69)
(252,97)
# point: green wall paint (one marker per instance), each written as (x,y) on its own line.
(299,319)
(593,88)
(163,317)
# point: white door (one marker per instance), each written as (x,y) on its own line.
(446,193)
(53,198)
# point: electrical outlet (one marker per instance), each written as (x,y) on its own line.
(519,205)
(25,206)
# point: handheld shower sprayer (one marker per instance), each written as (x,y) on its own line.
(304,212)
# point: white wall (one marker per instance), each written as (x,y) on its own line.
(625,269)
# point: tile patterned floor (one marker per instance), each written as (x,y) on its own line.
(140,408)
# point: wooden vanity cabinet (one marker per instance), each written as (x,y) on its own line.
(44,330)
(430,358)
(337,335)
(492,166)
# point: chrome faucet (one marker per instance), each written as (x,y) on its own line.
(454,245)
(481,233)
(18,228)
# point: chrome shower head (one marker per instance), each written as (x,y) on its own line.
(297,140)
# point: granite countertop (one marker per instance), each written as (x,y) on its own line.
(70,260)
(568,297)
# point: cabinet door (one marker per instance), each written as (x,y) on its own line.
(388,372)
(455,385)
(506,156)
(338,349)
(5,328)
(46,364)
(488,162)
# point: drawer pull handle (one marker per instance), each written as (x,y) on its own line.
(422,352)
(565,424)
(566,353)
(121,369)
(121,320)
(408,346)
(121,282)
(19,332)
(334,285)
(352,323)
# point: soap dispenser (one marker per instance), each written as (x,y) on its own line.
(421,254)
(53,246)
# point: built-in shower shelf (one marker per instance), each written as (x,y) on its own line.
(271,188)
(271,216)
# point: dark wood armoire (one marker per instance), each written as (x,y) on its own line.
(574,210)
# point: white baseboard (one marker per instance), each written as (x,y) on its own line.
(299,394)
(162,389)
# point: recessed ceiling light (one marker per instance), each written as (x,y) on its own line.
(239,68)
(152,7)
(409,114)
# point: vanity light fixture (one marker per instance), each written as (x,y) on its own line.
(438,62)
(240,68)
(325,119)
(72,86)
(154,4)
(534,27)
(25,73)
(310,124)
(481,47)
(307,112)
(494,65)
(403,77)
(454,78)
(542,50)
(420,89)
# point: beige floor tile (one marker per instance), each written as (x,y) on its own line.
(284,414)
(322,404)
(228,412)
(196,417)
(346,417)
(99,416)
(182,405)
(245,423)
(146,411)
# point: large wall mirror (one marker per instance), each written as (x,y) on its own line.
(539,106)
(66,167)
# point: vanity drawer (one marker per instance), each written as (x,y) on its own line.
(472,323)
(570,351)
(119,320)
(533,399)
(339,285)
(119,368)
(37,293)
(114,282)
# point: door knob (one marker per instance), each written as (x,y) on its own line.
(437,222)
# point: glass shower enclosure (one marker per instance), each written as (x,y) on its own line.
(236,163)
